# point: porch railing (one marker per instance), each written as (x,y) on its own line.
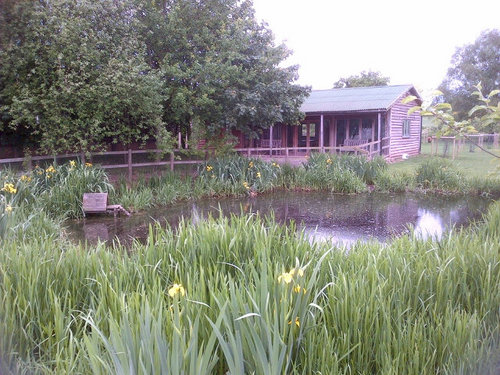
(369,149)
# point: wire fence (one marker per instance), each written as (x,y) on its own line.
(452,146)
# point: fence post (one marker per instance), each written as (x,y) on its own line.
(172,161)
(129,162)
(82,158)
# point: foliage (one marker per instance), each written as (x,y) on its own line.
(363,79)
(438,173)
(472,64)
(78,76)
(362,167)
(447,124)
(273,302)
(73,75)
(52,193)
(246,175)
(224,71)
(394,181)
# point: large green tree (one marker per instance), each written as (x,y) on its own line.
(471,64)
(363,79)
(74,74)
(223,70)
(77,74)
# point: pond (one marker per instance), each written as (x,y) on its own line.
(342,219)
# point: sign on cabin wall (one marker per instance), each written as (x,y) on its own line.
(95,202)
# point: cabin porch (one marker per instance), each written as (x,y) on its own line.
(333,133)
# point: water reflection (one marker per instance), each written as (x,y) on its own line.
(429,225)
(340,218)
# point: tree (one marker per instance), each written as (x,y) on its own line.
(487,115)
(364,79)
(74,77)
(475,63)
(224,72)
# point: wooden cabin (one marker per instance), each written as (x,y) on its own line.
(370,120)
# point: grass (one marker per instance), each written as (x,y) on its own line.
(258,299)
(475,164)
(242,295)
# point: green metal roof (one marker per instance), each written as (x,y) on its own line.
(355,99)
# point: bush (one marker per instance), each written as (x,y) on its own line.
(240,174)
(393,182)
(440,174)
(365,169)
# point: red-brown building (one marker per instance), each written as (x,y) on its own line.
(373,119)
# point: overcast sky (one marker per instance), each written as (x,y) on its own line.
(409,41)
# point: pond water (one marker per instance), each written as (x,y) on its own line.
(323,216)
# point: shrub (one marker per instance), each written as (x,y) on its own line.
(441,174)
(394,182)
(365,169)
(243,174)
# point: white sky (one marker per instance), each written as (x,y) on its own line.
(409,41)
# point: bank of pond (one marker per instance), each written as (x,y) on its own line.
(247,293)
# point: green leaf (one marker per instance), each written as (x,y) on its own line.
(409,99)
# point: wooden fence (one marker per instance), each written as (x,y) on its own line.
(458,143)
(283,154)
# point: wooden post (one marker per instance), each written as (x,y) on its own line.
(333,127)
(321,139)
(129,162)
(180,140)
(495,140)
(347,128)
(82,157)
(172,161)
(271,141)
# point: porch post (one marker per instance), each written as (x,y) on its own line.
(271,141)
(347,128)
(321,138)
(379,122)
(333,128)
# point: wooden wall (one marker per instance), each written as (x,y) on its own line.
(399,145)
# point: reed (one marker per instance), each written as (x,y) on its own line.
(255,298)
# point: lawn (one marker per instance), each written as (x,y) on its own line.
(472,164)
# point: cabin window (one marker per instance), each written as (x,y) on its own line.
(406,128)
(312,130)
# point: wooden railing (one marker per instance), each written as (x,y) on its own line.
(127,161)
(369,149)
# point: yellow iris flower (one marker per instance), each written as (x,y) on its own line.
(175,290)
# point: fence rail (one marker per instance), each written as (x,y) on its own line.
(457,144)
(368,149)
